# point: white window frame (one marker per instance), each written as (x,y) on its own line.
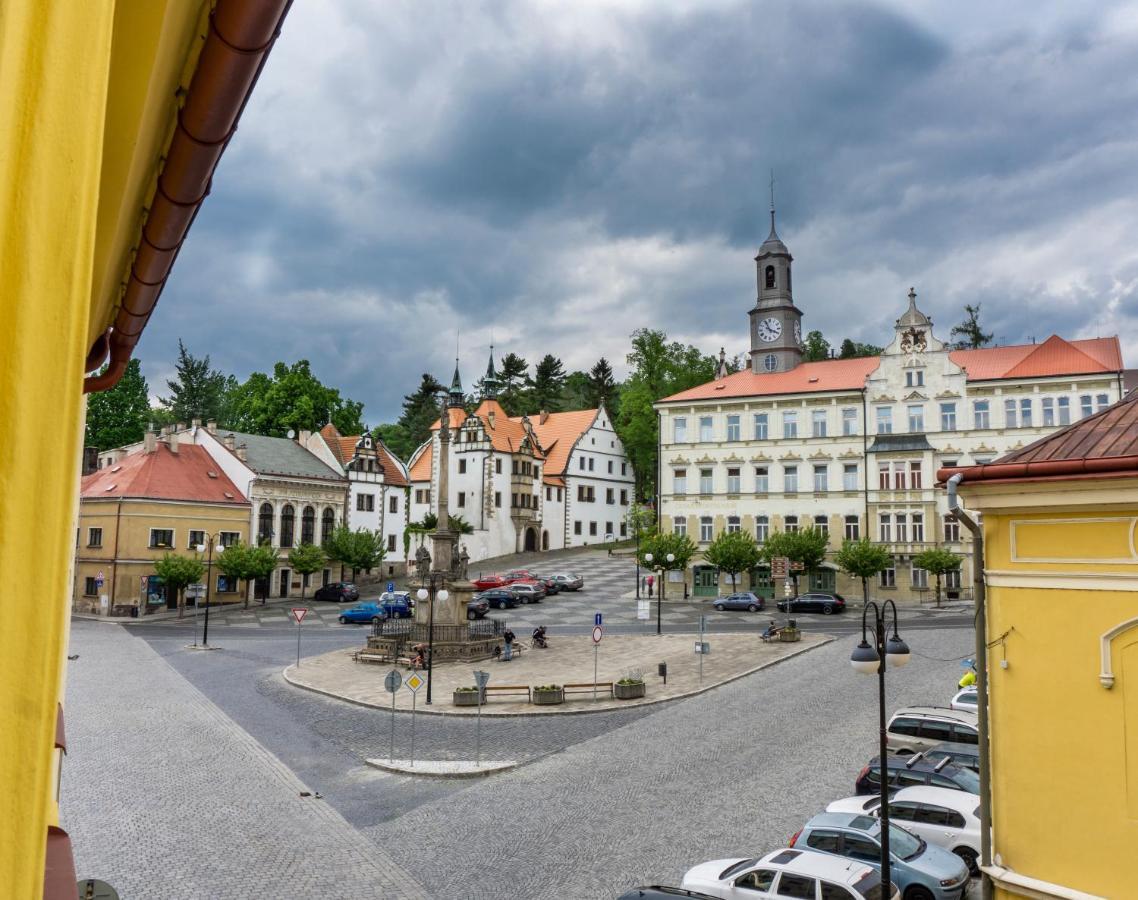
(680,481)
(790,479)
(734,429)
(822,524)
(733,524)
(849,476)
(918,524)
(852,528)
(1064,406)
(916,413)
(790,424)
(734,482)
(680,430)
(762,528)
(790,524)
(981,414)
(821,478)
(1011,416)
(706,429)
(761,423)
(762,481)
(680,526)
(849,421)
(707,481)
(883,415)
(818,420)
(706,529)
(948,417)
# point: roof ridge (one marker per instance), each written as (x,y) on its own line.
(1051,345)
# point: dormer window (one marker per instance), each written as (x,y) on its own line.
(770,278)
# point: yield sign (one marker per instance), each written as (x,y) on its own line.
(299,612)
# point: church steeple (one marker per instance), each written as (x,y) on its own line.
(455,396)
(776,323)
(490,382)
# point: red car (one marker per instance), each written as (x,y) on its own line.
(520,575)
(487,582)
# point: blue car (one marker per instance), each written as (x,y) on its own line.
(742,600)
(374,612)
(921,871)
(397,604)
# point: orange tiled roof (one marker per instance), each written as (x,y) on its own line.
(422,461)
(558,433)
(344,449)
(827,375)
(506,434)
(162,475)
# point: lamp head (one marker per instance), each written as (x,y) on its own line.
(201,548)
(648,557)
(421,593)
(864,659)
(896,652)
(671,557)
(443,595)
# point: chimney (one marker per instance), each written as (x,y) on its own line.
(304,436)
(173,442)
(241,453)
(150,442)
(196,423)
(541,417)
(211,427)
(230,441)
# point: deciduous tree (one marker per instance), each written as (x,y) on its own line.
(176,572)
(260,563)
(863,559)
(815,347)
(660,545)
(306,559)
(292,399)
(733,552)
(807,547)
(938,561)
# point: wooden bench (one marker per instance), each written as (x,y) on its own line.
(370,656)
(602,688)
(508,689)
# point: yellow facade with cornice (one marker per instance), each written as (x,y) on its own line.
(1062,568)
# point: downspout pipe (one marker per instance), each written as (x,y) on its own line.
(981,655)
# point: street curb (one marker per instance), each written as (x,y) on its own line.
(401,767)
(826,639)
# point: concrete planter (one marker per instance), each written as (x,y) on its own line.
(628,691)
(466,698)
(789,635)
(548,697)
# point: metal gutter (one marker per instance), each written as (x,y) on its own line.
(241,34)
(1048,468)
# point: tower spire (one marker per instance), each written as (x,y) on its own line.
(773,234)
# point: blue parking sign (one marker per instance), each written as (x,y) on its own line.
(597,619)
(390,586)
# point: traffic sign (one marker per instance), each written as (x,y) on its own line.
(779,566)
(391,681)
(481,679)
(99,579)
(299,612)
(598,633)
(702,647)
(414,683)
(390,586)
(796,566)
(597,619)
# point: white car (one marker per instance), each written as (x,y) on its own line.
(787,873)
(965,699)
(941,816)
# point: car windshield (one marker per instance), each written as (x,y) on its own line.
(903,844)
(967,780)
(869,886)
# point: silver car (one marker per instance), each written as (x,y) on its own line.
(569,582)
(919,728)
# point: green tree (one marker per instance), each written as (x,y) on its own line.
(548,384)
(852,349)
(938,561)
(261,561)
(420,411)
(641,520)
(176,572)
(396,438)
(602,387)
(358,550)
(807,547)
(459,525)
(660,545)
(733,552)
(971,335)
(306,559)
(863,559)
(197,390)
(292,399)
(815,347)
(233,562)
(576,394)
(514,394)
(119,416)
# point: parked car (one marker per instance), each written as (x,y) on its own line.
(915,770)
(397,604)
(337,592)
(569,582)
(549,583)
(965,699)
(499,598)
(966,756)
(920,870)
(787,873)
(946,818)
(917,728)
(743,600)
(519,575)
(476,609)
(527,591)
(814,601)
(662,892)
(487,582)
(368,611)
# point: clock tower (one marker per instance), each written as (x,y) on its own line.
(776,323)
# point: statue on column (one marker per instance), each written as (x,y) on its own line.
(463,562)
(423,562)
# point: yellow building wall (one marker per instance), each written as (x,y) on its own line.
(1064,747)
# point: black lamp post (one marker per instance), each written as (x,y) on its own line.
(431,595)
(869,658)
(636,522)
(209,541)
(671,558)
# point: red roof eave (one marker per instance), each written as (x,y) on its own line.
(1102,467)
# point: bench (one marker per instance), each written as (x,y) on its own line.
(508,689)
(602,687)
(370,656)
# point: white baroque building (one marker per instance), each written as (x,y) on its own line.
(852,446)
(546,482)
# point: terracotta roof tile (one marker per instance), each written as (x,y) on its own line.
(558,433)
(162,475)
(827,375)
(393,471)
(506,434)
(422,461)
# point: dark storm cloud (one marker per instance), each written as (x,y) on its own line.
(566,174)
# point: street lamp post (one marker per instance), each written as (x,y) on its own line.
(431,596)
(869,658)
(671,558)
(209,541)
(636,522)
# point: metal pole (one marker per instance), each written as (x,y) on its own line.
(414,696)
(879,639)
(478,730)
(701,650)
(637,554)
(430,638)
(197,609)
(208,571)
(659,603)
(596,648)
(391,752)
(297,643)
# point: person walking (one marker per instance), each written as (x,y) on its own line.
(651,581)
(508,652)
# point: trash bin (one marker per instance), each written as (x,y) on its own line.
(134,612)
(662,671)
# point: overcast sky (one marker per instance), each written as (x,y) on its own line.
(564,173)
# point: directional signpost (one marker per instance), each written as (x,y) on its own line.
(391,682)
(298,613)
(598,633)
(481,679)
(780,565)
(413,684)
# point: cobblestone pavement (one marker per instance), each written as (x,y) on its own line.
(165,797)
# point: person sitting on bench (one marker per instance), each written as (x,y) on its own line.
(419,656)
(539,639)
(771,632)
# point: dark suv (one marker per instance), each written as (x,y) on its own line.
(909,771)
(814,601)
(337,592)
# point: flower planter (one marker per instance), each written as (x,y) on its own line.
(790,635)
(466,698)
(628,691)
(548,698)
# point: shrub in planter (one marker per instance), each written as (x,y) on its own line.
(789,635)
(548,694)
(630,686)
(466,696)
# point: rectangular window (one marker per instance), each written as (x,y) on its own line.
(1025,412)
(948,417)
(762,528)
(980,414)
(705,428)
(818,423)
(497,466)
(915,378)
(592,529)
(680,430)
(705,484)
(559,495)
(915,475)
(790,424)
(365,502)
(822,524)
(916,419)
(391,543)
(610,466)
(94,537)
(849,421)
(196,538)
(90,587)
(610,497)
(732,524)
(849,476)
(918,527)
(1086,404)
(733,428)
(790,524)
(920,577)
(1010,418)
(581,463)
(1047,404)
(899,479)
(884,532)
(951,529)
(515,470)
(498,499)
(624,468)
(733,481)
(393,503)
(513,500)
(548,494)
(901,523)
(225,584)
(883,480)
(680,526)
(888,577)
(418,495)
(760,426)
(581,493)
(884,419)
(461,499)
(762,484)
(590,464)
(1102,401)
(679,481)
(790,479)
(624,498)
(1064,410)
(821,478)
(462,467)
(229,538)
(162,538)
(706,529)
(609,528)
(853,528)
(576,527)
(624,529)
(952,579)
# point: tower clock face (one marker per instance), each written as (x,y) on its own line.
(798,332)
(770,329)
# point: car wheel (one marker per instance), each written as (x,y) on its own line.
(752,608)
(968,855)
(343,621)
(827,610)
(919,892)
(501,604)
(720,607)
(471,615)
(375,620)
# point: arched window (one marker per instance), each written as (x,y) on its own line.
(288,520)
(327,523)
(265,523)
(308,525)
(770,277)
